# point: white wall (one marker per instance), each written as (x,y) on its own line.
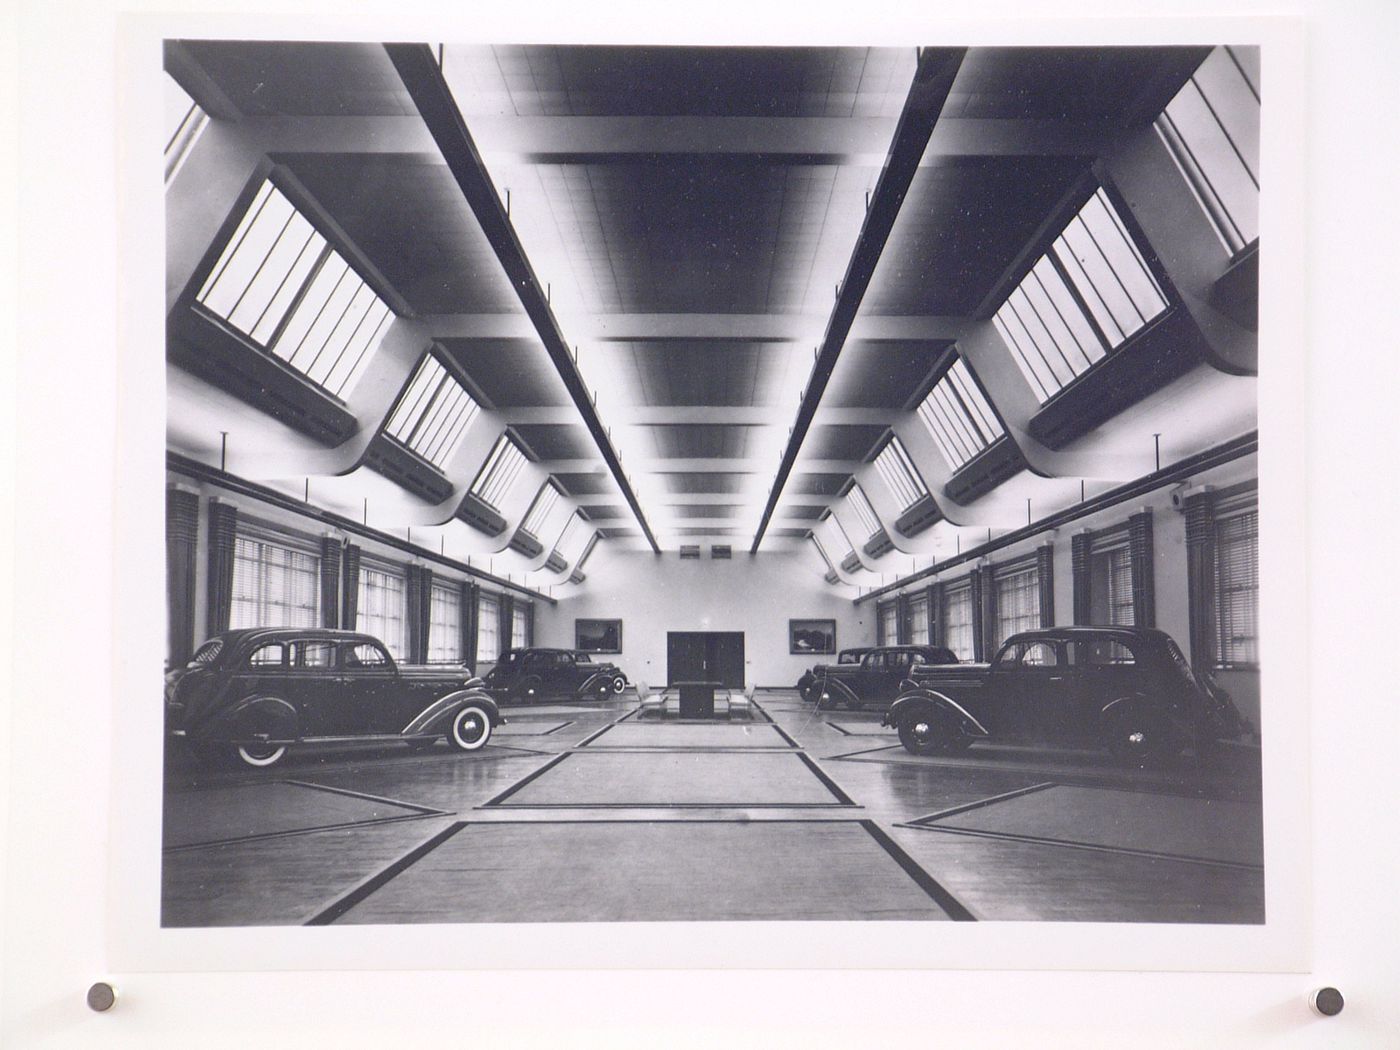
(757,594)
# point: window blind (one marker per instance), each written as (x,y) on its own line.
(488,630)
(957,620)
(383,605)
(445,624)
(1237,589)
(275,584)
(1017,603)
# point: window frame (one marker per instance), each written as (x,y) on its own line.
(214,264)
(447,437)
(965,428)
(251,531)
(398,647)
(1227,513)
(481,482)
(1046,251)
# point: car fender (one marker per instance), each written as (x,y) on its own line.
(434,717)
(257,717)
(1173,716)
(839,690)
(927,699)
(592,680)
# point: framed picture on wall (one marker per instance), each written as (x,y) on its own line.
(598,636)
(811,636)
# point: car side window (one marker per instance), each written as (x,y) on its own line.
(1105,652)
(273,654)
(1009,656)
(364,656)
(1039,654)
(312,654)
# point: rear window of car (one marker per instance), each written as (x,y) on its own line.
(208,652)
(1105,652)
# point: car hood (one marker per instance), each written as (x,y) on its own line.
(447,674)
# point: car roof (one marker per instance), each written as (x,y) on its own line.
(1081,632)
(240,637)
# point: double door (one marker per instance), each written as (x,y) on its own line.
(705,656)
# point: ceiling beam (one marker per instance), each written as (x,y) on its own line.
(717,328)
(859,141)
(418,69)
(671,415)
(932,81)
(703,465)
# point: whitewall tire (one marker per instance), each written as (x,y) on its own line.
(260,756)
(470,728)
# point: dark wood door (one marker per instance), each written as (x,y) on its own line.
(705,656)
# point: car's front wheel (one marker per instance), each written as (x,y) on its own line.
(931,732)
(528,691)
(619,684)
(470,729)
(260,756)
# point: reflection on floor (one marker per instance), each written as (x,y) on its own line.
(582,813)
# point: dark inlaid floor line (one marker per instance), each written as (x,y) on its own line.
(821,775)
(426,810)
(265,836)
(345,902)
(495,801)
(1095,847)
(990,801)
(956,910)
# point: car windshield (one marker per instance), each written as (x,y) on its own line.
(207,653)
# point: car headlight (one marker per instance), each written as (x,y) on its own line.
(826,696)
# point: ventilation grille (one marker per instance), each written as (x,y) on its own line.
(721,550)
(690,550)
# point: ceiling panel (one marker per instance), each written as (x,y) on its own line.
(691,81)
(700,440)
(882,373)
(509,373)
(704,510)
(691,233)
(689,372)
(698,483)
(1111,84)
(841,441)
(285,78)
(587,484)
(800,513)
(557,441)
(407,215)
(809,483)
(962,225)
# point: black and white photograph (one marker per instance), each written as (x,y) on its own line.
(971,418)
(956,346)
(598,636)
(812,636)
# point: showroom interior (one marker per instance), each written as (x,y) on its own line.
(696,367)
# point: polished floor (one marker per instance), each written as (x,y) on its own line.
(579,812)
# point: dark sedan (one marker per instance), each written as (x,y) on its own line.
(530,675)
(248,695)
(806,684)
(1130,690)
(876,678)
